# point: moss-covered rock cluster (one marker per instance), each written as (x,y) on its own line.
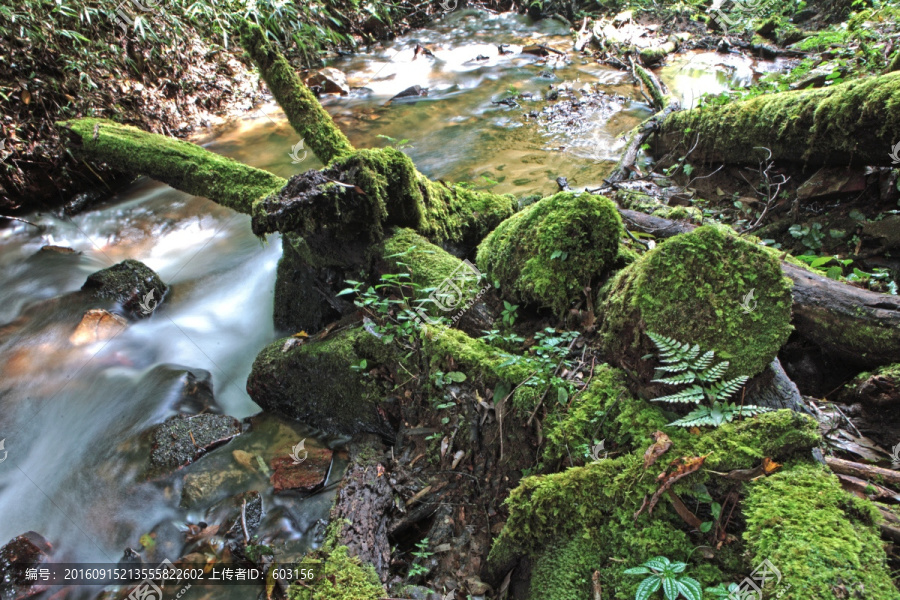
(338,576)
(550,251)
(707,287)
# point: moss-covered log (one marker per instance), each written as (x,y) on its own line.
(693,288)
(304,112)
(548,253)
(853,123)
(184,166)
(358,195)
(822,539)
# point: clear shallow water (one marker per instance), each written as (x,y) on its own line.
(72,415)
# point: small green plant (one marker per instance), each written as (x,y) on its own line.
(395,143)
(509,313)
(702,495)
(663,573)
(442,379)
(810,236)
(686,366)
(422,552)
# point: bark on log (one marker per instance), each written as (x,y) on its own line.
(303,110)
(362,507)
(869,472)
(853,123)
(184,166)
(856,325)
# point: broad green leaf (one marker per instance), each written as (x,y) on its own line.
(690,588)
(677,567)
(670,588)
(456,376)
(637,571)
(659,563)
(706,526)
(646,588)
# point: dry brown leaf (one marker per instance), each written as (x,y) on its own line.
(659,447)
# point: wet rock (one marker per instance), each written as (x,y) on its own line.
(413,91)
(131,284)
(29,548)
(97,325)
(181,440)
(881,236)
(830,181)
(536,50)
(57,250)
(200,488)
(330,80)
(239,515)
(196,393)
(305,476)
(245,459)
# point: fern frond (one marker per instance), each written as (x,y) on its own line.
(702,363)
(725,389)
(680,379)
(692,394)
(671,351)
(714,373)
(750,410)
(699,417)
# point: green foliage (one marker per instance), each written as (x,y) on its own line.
(546,359)
(685,365)
(509,313)
(810,236)
(421,552)
(663,573)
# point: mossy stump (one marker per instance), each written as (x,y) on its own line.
(706,287)
(547,254)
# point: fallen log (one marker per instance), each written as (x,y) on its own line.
(853,123)
(303,110)
(868,472)
(859,326)
(182,165)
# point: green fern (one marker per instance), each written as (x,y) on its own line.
(683,364)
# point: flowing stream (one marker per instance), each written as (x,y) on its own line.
(73,416)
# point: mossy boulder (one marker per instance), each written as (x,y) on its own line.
(322,382)
(822,539)
(131,284)
(549,252)
(696,288)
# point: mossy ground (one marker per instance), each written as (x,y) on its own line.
(693,288)
(550,251)
(338,576)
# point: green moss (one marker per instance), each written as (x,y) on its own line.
(648,204)
(585,421)
(184,166)
(823,540)
(692,287)
(381,188)
(338,576)
(313,381)
(849,123)
(481,362)
(550,251)
(303,110)
(654,54)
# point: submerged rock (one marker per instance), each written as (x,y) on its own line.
(413,91)
(131,284)
(548,253)
(305,472)
(181,440)
(97,325)
(30,547)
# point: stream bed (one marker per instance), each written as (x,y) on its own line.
(74,416)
